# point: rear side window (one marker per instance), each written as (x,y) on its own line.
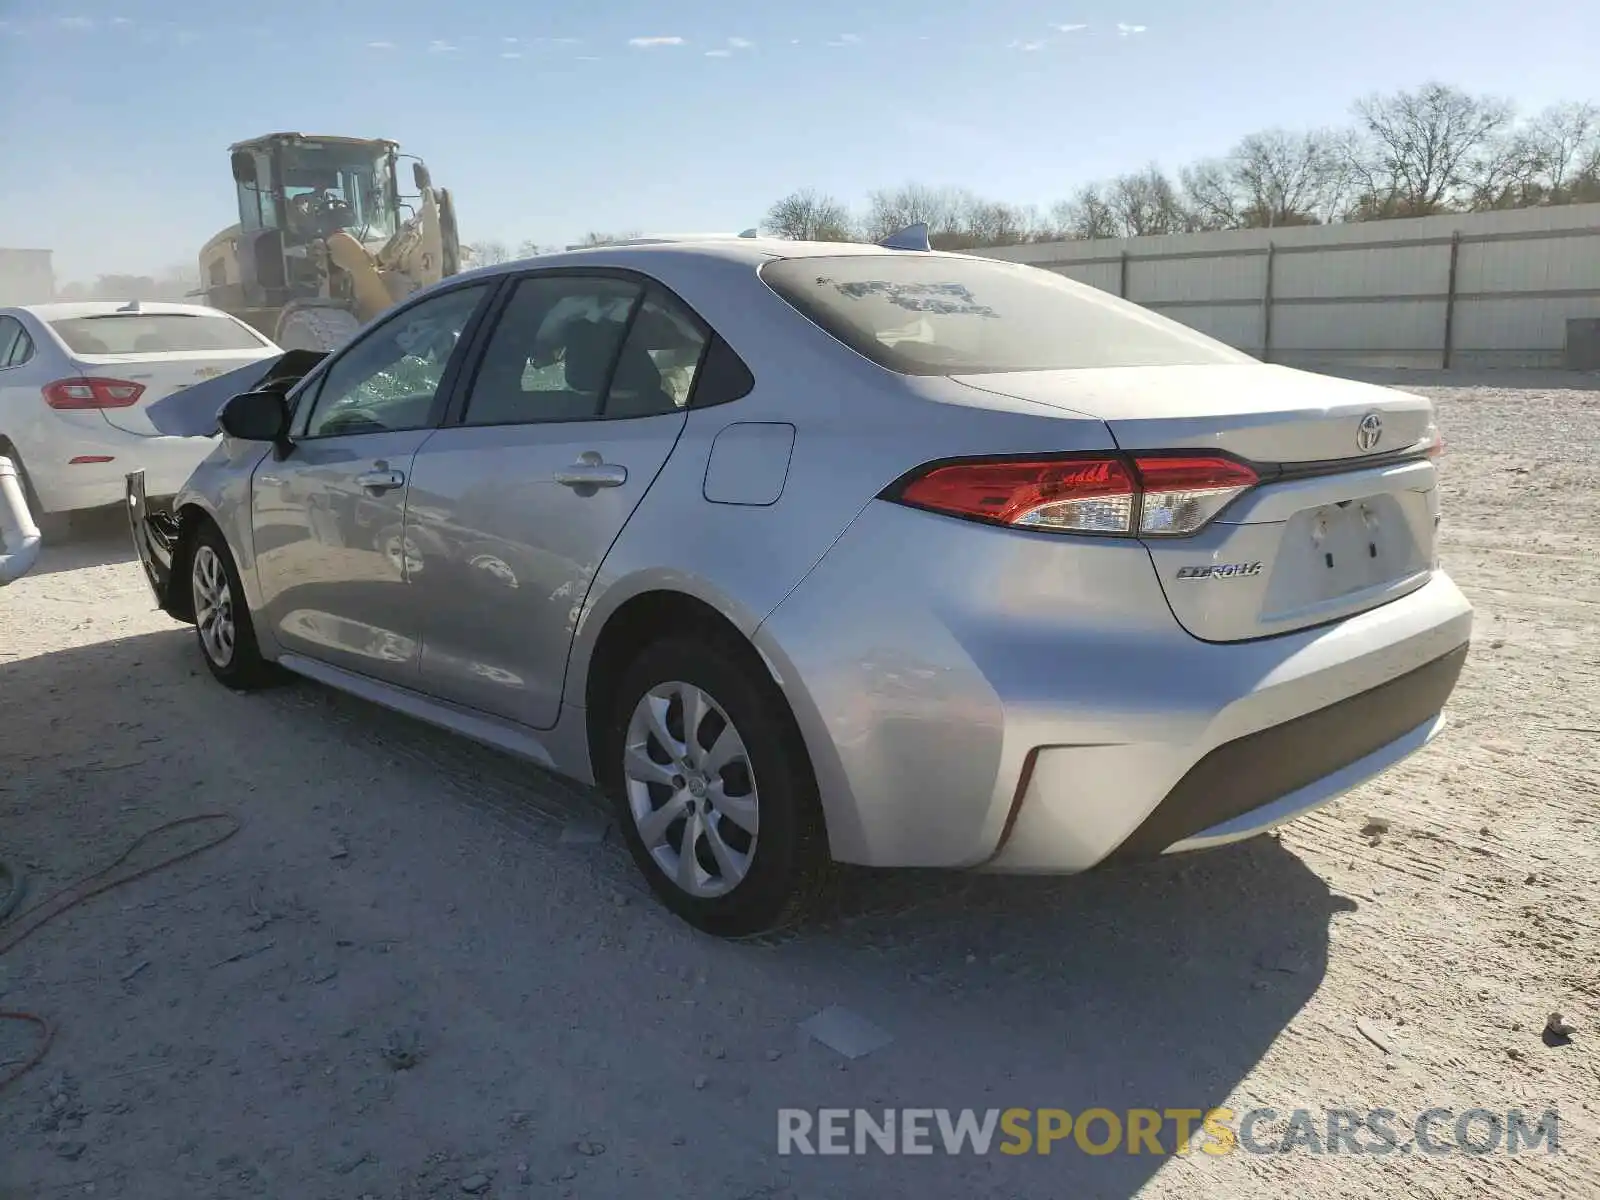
(931,315)
(153,333)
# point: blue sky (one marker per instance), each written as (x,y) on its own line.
(119,112)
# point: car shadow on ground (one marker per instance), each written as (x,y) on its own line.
(1156,986)
(94,538)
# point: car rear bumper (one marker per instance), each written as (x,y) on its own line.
(978,698)
(66,486)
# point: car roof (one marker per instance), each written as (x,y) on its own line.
(668,249)
(64,310)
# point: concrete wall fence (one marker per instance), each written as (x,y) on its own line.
(1465,290)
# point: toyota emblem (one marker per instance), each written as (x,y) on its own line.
(1369,431)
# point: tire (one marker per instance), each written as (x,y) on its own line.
(223,629)
(760,848)
(316,327)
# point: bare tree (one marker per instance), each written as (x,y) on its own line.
(1087,215)
(809,216)
(1565,138)
(605,239)
(1269,179)
(1419,153)
(939,208)
(486,254)
(992,223)
(529,249)
(1146,203)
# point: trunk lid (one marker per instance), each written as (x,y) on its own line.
(162,347)
(1262,413)
(1342,521)
(161,375)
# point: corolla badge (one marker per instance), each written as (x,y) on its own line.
(1220,571)
(1369,431)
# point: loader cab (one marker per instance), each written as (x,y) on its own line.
(294,191)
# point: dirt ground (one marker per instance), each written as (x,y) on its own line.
(398,980)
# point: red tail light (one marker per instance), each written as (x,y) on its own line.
(92,393)
(1148,495)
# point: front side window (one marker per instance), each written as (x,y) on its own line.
(551,354)
(937,315)
(389,378)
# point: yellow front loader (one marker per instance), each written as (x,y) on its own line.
(325,241)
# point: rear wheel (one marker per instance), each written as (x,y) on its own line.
(712,788)
(316,327)
(222,620)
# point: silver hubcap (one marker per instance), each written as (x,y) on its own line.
(213,606)
(691,789)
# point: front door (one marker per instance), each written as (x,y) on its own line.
(580,397)
(331,556)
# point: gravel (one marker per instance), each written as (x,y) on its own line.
(552,1013)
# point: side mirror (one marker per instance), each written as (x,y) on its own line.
(244,167)
(421,176)
(260,416)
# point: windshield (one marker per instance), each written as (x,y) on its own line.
(957,316)
(153,333)
(351,182)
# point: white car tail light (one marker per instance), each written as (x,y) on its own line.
(92,393)
(1146,495)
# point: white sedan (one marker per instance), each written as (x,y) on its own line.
(77,382)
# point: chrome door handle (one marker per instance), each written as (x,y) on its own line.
(381,481)
(592,471)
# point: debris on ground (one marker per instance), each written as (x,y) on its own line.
(848,1033)
(401,1049)
(1557,1030)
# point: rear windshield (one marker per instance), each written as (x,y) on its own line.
(958,316)
(153,333)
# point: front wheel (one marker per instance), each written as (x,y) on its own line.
(222,620)
(713,789)
(316,327)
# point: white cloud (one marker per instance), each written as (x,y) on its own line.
(511,54)
(380,45)
(646,43)
(849,39)
(121,22)
(440,47)
(187,37)
(1125,30)
(1069,28)
(719,53)
(740,43)
(77,24)
(1026,46)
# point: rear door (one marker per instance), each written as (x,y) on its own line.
(153,354)
(328,517)
(579,398)
(1342,520)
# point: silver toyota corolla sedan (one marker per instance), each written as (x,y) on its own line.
(812,553)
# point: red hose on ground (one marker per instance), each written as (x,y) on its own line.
(69,897)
